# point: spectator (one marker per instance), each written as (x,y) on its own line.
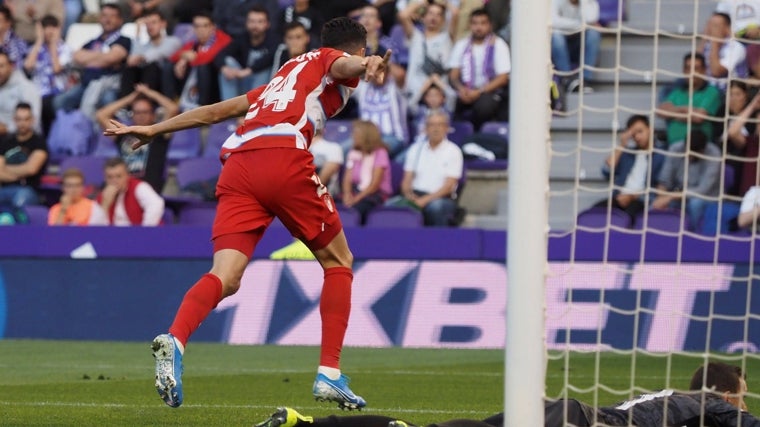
(184,11)
(367,178)
(747,146)
(689,177)
(479,73)
(745,17)
(194,69)
(634,166)
(307,14)
(23,156)
(74,208)
(148,162)
(231,15)
(296,42)
(46,64)
(14,46)
(247,61)
(568,34)
(691,103)
(128,200)
(749,212)
(103,60)
(146,62)
(432,170)
(724,56)
(459,22)
(15,88)
(429,47)
(328,159)
(377,43)
(434,96)
(385,105)
(27,13)
(136,9)
(735,138)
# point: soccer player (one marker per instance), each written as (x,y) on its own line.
(268,171)
(716,400)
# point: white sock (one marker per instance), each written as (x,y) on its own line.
(179,346)
(332,373)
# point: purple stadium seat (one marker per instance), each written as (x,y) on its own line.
(38,214)
(498,128)
(197,214)
(601,217)
(394,217)
(349,217)
(197,169)
(460,131)
(217,134)
(665,220)
(609,9)
(184,32)
(184,144)
(338,131)
(168,218)
(105,147)
(91,167)
(397,176)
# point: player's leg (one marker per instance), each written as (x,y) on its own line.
(305,207)
(234,242)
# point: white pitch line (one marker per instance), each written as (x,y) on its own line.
(215,406)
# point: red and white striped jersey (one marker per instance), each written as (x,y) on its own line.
(297,101)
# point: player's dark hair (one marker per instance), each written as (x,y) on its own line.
(726,17)
(344,34)
(50,21)
(637,118)
(696,55)
(6,12)
(480,12)
(297,24)
(721,377)
(114,161)
(23,106)
(258,9)
(113,6)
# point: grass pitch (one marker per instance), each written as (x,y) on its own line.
(111,383)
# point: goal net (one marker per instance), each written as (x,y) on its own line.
(637,300)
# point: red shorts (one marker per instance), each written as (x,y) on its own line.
(257,185)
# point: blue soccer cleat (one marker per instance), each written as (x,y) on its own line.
(327,390)
(168,369)
(285,417)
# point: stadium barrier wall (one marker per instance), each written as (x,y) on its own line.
(420,288)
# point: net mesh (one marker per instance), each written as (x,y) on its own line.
(640,304)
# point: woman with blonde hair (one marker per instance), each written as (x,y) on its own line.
(367,178)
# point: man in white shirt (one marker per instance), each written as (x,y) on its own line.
(480,67)
(724,56)
(572,22)
(146,62)
(749,212)
(432,171)
(328,159)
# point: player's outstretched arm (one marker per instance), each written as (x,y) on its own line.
(201,116)
(373,67)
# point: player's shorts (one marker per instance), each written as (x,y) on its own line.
(257,185)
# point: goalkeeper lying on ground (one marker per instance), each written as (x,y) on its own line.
(716,400)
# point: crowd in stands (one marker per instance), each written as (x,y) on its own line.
(147,60)
(703,160)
